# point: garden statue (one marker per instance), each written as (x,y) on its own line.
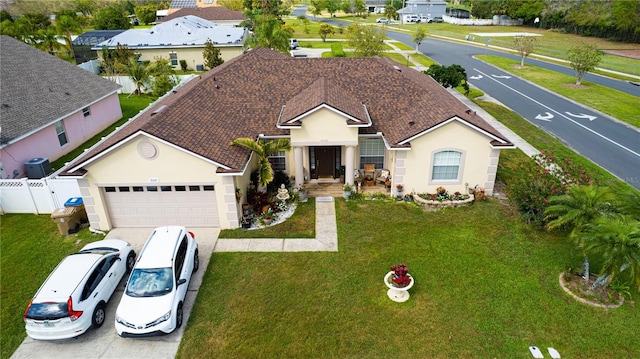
(283,193)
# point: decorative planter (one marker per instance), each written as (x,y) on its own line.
(346,194)
(442,204)
(302,195)
(245,206)
(397,294)
(267,221)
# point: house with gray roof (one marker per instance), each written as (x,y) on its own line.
(182,38)
(216,14)
(48,106)
(174,163)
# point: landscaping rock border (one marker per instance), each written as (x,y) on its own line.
(442,204)
(585,301)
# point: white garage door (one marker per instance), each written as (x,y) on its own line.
(152,206)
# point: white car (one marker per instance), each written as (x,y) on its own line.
(74,296)
(154,296)
(382,20)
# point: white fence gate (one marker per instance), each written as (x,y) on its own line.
(37,196)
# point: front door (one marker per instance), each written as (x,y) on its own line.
(325,162)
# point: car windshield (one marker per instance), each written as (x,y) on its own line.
(153,282)
(48,311)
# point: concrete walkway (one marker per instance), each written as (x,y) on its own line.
(326,236)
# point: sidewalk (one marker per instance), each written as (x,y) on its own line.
(326,236)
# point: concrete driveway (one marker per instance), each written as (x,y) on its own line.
(105,342)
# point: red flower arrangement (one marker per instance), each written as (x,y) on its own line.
(401,276)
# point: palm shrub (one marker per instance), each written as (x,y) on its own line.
(616,242)
(263,149)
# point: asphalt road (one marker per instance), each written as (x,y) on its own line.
(612,144)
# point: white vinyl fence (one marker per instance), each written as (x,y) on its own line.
(37,196)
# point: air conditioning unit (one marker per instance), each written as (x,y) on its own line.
(38,168)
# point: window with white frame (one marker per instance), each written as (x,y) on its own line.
(372,151)
(60,131)
(174,58)
(86,111)
(446,166)
(277,161)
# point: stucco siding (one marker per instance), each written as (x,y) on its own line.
(125,165)
(45,143)
(475,167)
(193,55)
(324,127)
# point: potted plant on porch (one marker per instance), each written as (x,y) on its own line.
(399,281)
(347,189)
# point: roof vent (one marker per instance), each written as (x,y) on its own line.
(397,68)
(158,110)
(468,111)
(217,86)
(412,122)
(67,93)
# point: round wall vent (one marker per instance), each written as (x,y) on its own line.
(147,150)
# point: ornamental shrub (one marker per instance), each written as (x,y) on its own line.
(540,177)
(337,51)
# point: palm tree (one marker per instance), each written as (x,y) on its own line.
(264,149)
(617,243)
(66,25)
(629,203)
(48,41)
(138,73)
(270,33)
(578,207)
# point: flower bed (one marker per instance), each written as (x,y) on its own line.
(442,199)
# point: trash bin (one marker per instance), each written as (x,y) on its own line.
(63,217)
(79,214)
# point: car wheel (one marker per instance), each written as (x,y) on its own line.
(131,261)
(196,261)
(179,316)
(98,316)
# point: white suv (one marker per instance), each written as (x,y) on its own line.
(74,296)
(155,292)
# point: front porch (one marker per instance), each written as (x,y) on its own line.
(334,189)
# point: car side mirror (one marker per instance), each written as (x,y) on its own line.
(182,281)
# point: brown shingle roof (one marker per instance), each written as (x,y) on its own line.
(324,91)
(212,13)
(244,98)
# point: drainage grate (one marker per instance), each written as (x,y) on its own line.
(324,199)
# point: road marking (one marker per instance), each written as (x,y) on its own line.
(547,117)
(582,115)
(475,77)
(566,117)
(501,76)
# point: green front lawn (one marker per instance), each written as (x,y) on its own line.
(30,248)
(486,287)
(302,224)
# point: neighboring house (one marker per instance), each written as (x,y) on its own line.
(426,8)
(174,163)
(49,106)
(181,4)
(182,38)
(83,44)
(218,15)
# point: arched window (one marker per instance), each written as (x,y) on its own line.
(446,166)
